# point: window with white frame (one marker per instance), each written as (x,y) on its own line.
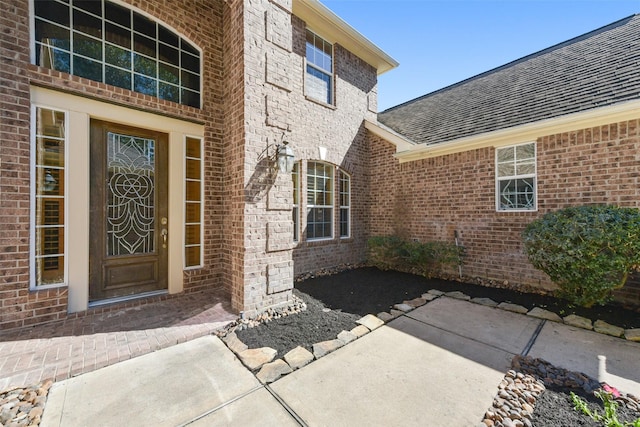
(295,177)
(345,204)
(106,42)
(319,69)
(193,203)
(48,198)
(319,201)
(516,177)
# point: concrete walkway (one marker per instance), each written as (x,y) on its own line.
(437,365)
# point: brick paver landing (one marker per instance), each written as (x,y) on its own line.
(77,345)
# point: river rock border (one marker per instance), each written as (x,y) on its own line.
(514,404)
(23,406)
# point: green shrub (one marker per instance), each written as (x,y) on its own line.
(427,259)
(588,251)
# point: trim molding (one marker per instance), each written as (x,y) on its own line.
(334,29)
(531,131)
(388,134)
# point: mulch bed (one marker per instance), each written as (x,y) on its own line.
(335,302)
(368,290)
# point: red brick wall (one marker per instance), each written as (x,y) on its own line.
(341,131)
(232,245)
(199,21)
(18,305)
(431,198)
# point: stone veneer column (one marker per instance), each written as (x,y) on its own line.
(268,237)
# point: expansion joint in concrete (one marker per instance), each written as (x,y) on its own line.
(534,337)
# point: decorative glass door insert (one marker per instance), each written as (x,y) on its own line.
(130,217)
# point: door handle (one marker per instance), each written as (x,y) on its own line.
(164,233)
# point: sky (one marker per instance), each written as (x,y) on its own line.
(442,42)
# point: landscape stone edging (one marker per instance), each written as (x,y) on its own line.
(272,370)
(571,320)
(371,322)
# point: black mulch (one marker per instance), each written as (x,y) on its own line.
(554,408)
(335,302)
(369,290)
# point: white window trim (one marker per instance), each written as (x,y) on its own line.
(80,111)
(341,207)
(332,90)
(533,175)
(184,203)
(332,206)
(32,198)
(296,222)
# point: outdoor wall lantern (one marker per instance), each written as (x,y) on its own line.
(285,157)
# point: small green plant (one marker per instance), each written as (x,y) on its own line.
(610,417)
(588,251)
(428,259)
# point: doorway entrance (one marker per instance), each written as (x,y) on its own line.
(128,221)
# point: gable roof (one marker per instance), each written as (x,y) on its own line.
(596,69)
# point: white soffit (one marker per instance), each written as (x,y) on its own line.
(402,143)
(334,29)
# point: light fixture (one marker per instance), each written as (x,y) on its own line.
(285,157)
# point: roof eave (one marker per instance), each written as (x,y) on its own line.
(401,142)
(335,30)
(528,132)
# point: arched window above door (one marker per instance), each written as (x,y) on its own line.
(106,42)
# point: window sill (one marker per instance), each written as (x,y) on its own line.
(321,240)
(47,287)
(516,210)
(321,103)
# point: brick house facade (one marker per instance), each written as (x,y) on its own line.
(583,166)
(445,155)
(103,102)
(227,222)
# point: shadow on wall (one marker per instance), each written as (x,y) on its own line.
(261,180)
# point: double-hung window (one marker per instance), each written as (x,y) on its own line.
(319,69)
(106,42)
(48,198)
(319,201)
(345,204)
(516,178)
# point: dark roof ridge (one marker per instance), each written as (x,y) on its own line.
(522,59)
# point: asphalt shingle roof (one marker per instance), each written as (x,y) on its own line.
(596,69)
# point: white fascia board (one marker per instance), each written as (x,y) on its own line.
(402,143)
(628,110)
(334,29)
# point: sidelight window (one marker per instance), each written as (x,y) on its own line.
(193,202)
(48,198)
